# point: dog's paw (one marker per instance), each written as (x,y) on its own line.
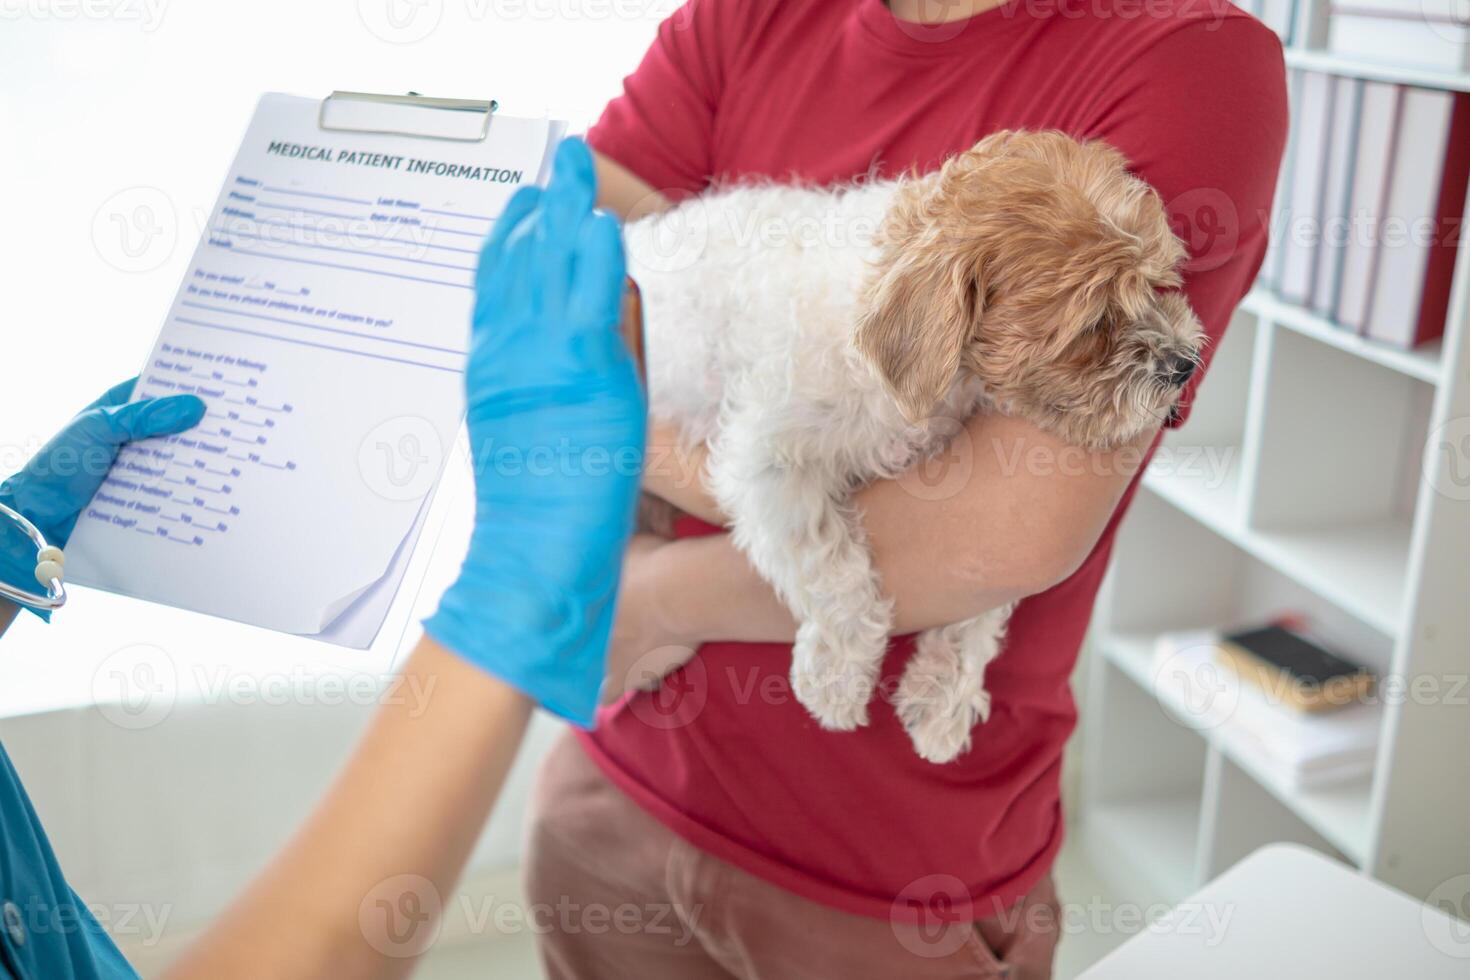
(939,720)
(834,685)
(833,705)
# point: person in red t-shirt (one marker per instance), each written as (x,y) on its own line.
(721,830)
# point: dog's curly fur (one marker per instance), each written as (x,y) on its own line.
(1031,275)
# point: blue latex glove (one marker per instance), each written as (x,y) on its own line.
(556,424)
(59,481)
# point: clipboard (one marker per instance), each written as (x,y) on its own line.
(476,115)
(477,112)
(322,317)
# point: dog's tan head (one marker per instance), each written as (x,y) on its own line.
(1042,267)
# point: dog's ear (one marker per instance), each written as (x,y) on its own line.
(919,316)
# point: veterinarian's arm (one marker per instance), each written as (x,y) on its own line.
(1011,513)
(359,891)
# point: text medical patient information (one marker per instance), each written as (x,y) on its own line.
(323,320)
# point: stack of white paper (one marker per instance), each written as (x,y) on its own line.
(1304,750)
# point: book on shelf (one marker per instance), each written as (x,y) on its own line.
(1301,231)
(1300,750)
(1279,228)
(1424,207)
(1432,34)
(1372,162)
(1345,97)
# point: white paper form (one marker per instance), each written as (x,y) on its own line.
(323,320)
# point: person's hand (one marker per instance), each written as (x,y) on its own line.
(60,480)
(647,641)
(556,424)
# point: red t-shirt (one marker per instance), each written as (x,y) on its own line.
(1193,93)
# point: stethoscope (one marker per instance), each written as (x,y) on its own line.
(49,566)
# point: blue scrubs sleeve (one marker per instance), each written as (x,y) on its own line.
(46,932)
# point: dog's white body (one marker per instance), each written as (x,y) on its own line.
(750,301)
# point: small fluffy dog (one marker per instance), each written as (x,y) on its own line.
(810,337)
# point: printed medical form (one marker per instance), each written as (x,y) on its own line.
(323,319)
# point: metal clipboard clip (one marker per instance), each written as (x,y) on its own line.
(482,108)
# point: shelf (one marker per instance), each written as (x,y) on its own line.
(1147,843)
(1336,64)
(1359,568)
(1422,363)
(1212,500)
(1338,812)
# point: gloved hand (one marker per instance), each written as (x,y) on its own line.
(556,424)
(59,481)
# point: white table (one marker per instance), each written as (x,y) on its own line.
(1286,911)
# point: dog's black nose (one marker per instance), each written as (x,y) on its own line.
(1178,369)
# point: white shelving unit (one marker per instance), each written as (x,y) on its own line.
(1324,474)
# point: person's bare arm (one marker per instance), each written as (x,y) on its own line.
(353,895)
(624,193)
(676,474)
(1009,512)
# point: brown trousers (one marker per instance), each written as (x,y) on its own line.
(617,895)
